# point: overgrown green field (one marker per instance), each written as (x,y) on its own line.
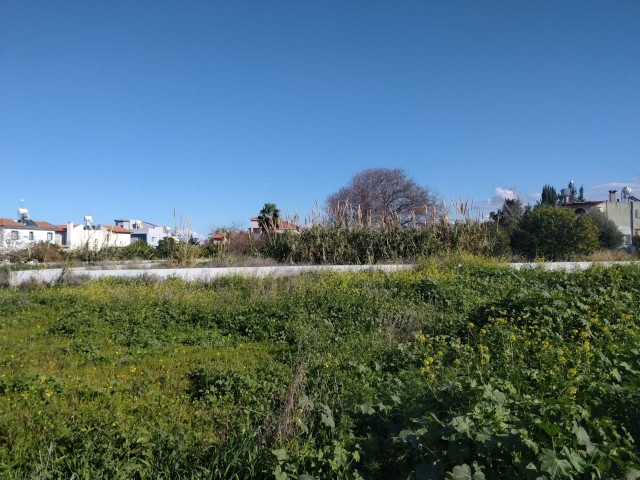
(456,370)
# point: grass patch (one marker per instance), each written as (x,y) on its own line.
(458,367)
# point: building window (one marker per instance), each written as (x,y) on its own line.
(153,239)
(49,236)
(31,236)
(14,234)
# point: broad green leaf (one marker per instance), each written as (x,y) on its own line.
(305,402)
(279,474)
(531,444)
(495,395)
(498,397)
(575,459)
(632,474)
(550,463)
(327,417)
(551,428)
(462,424)
(461,472)
(409,436)
(404,434)
(367,409)
(616,374)
(583,438)
(281,454)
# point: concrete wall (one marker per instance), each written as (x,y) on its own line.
(203,274)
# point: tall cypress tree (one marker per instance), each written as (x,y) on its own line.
(549,195)
(573,193)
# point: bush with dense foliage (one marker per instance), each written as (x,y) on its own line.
(42,252)
(554,234)
(609,236)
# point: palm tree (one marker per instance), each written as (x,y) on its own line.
(269,218)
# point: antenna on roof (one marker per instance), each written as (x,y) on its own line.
(626,193)
(88,220)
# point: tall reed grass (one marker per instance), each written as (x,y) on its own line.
(348,235)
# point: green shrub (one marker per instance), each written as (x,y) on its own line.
(553,233)
(608,234)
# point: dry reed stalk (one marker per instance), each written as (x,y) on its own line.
(284,428)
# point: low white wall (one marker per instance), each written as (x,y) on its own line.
(55,274)
(202,274)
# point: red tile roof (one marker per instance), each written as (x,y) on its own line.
(286,225)
(46,225)
(116,229)
(219,236)
(7,222)
(283,224)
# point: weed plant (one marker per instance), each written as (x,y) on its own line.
(459,369)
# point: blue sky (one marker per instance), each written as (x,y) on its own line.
(131,109)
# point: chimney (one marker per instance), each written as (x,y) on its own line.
(70,234)
(612,196)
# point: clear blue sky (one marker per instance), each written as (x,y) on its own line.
(129,109)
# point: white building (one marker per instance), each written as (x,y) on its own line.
(94,237)
(24,232)
(142,231)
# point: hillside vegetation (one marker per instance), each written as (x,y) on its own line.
(460,369)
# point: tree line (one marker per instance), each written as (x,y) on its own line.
(382,200)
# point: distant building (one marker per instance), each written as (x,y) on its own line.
(218,238)
(24,232)
(624,212)
(144,231)
(94,237)
(281,227)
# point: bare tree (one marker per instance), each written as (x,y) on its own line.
(385,196)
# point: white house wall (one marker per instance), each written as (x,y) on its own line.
(621,214)
(25,237)
(152,233)
(77,236)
